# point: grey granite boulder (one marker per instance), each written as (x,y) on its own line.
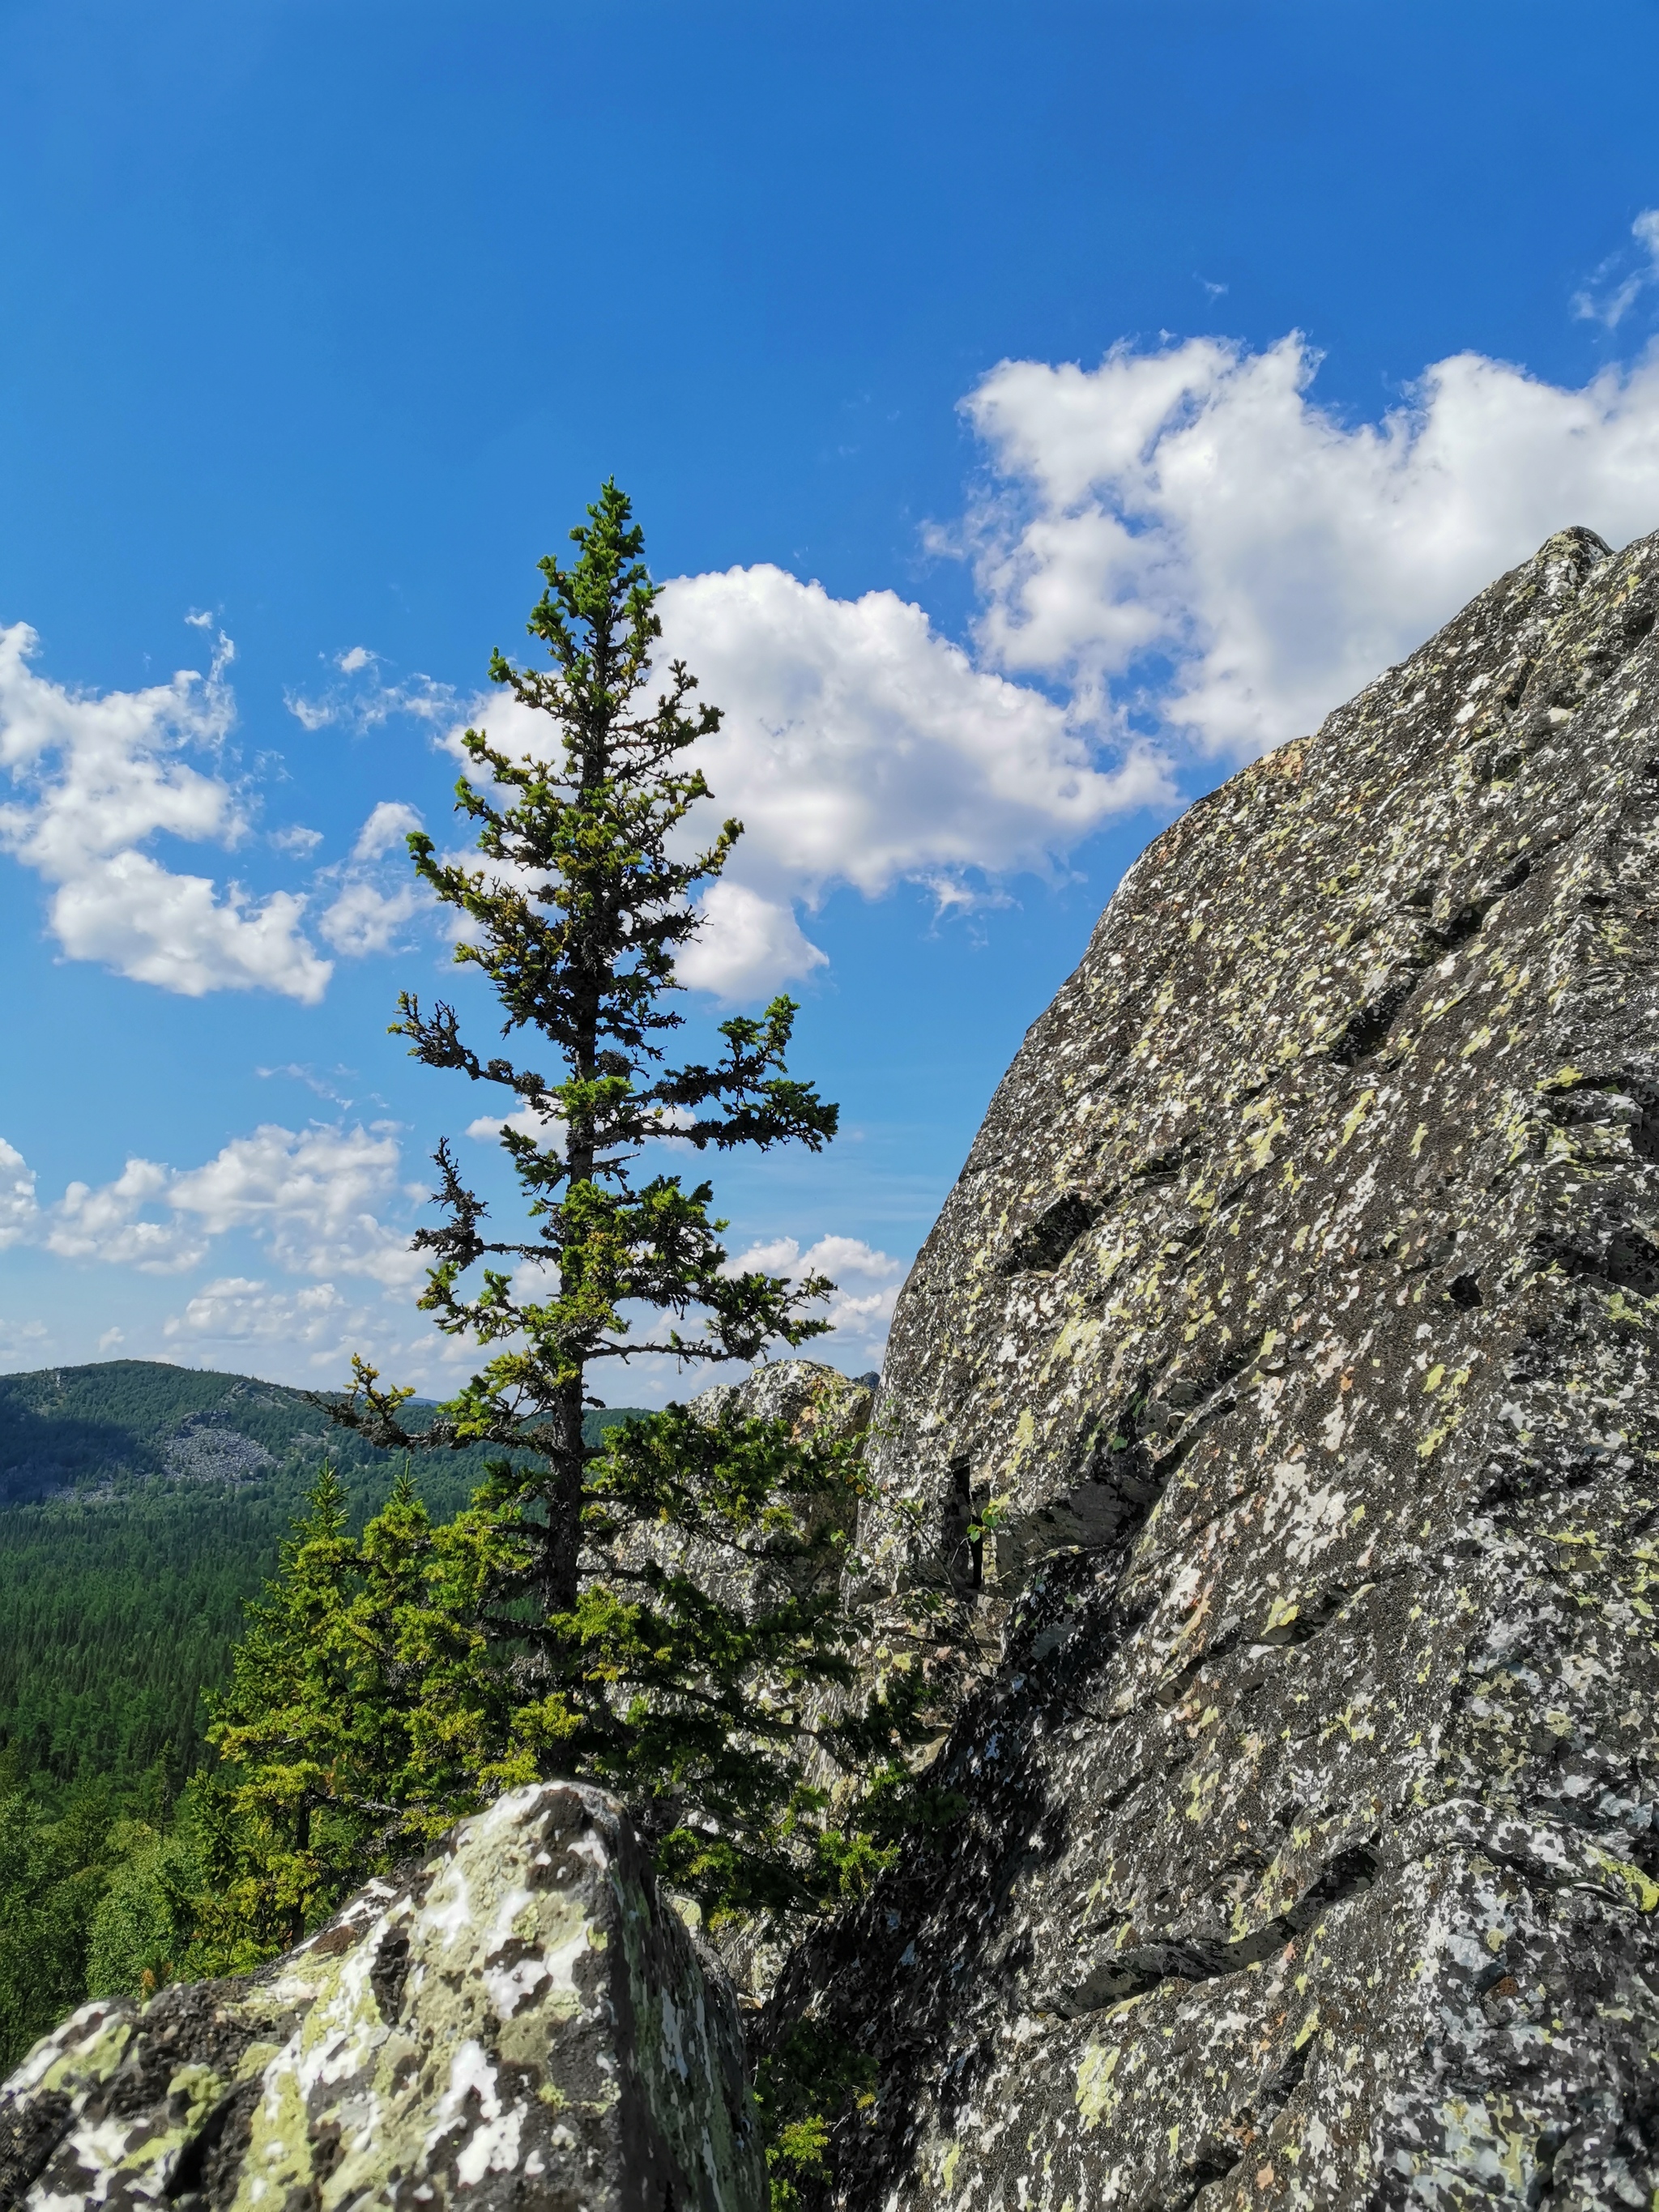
(1277,1392)
(522,2023)
(811,1397)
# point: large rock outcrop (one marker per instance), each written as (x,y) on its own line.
(522,2024)
(1289,1341)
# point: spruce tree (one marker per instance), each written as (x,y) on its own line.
(663,1613)
(573,913)
(361,1718)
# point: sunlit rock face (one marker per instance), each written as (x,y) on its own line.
(812,1398)
(524,2023)
(1288,1341)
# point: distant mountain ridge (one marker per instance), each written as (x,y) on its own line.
(116,1422)
(69,1428)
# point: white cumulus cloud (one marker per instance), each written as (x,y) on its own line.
(310,1195)
(19,1210)
(241,1309)
(388,824)
(309,1333)
(1196,510)
(377,893)
(326,1210)
(859,1309)
(108,1223)
(314,1199)
(99,776)
(545,1128)
(858,746)
(366,917)
(747,946)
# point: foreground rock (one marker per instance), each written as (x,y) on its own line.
(522,2023)
(1292,1327)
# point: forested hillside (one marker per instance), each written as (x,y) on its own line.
(140,1505)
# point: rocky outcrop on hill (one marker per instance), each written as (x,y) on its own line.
(203,1449)
(522,2023)
(811,1400)
(1278,1385)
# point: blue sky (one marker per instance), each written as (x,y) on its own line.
(1037,412)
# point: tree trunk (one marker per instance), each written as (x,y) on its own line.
(562,1555)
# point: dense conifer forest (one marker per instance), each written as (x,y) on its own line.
(140,1506)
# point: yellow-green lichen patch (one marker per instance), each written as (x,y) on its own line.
(1095,2094)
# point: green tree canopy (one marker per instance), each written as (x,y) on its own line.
(575,912)
(663,1614)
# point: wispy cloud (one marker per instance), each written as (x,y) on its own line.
(323,1085)
(1617,285)
(360,697)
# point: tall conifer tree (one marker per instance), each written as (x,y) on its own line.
(574,913)
(664,1614)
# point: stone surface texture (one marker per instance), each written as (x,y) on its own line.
(522,2023)
(1289,1341)
(813,1398)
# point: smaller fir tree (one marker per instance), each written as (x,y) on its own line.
(359,1719)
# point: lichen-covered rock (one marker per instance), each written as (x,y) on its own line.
(522,2023)
(1280,1381)
(813,1398)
